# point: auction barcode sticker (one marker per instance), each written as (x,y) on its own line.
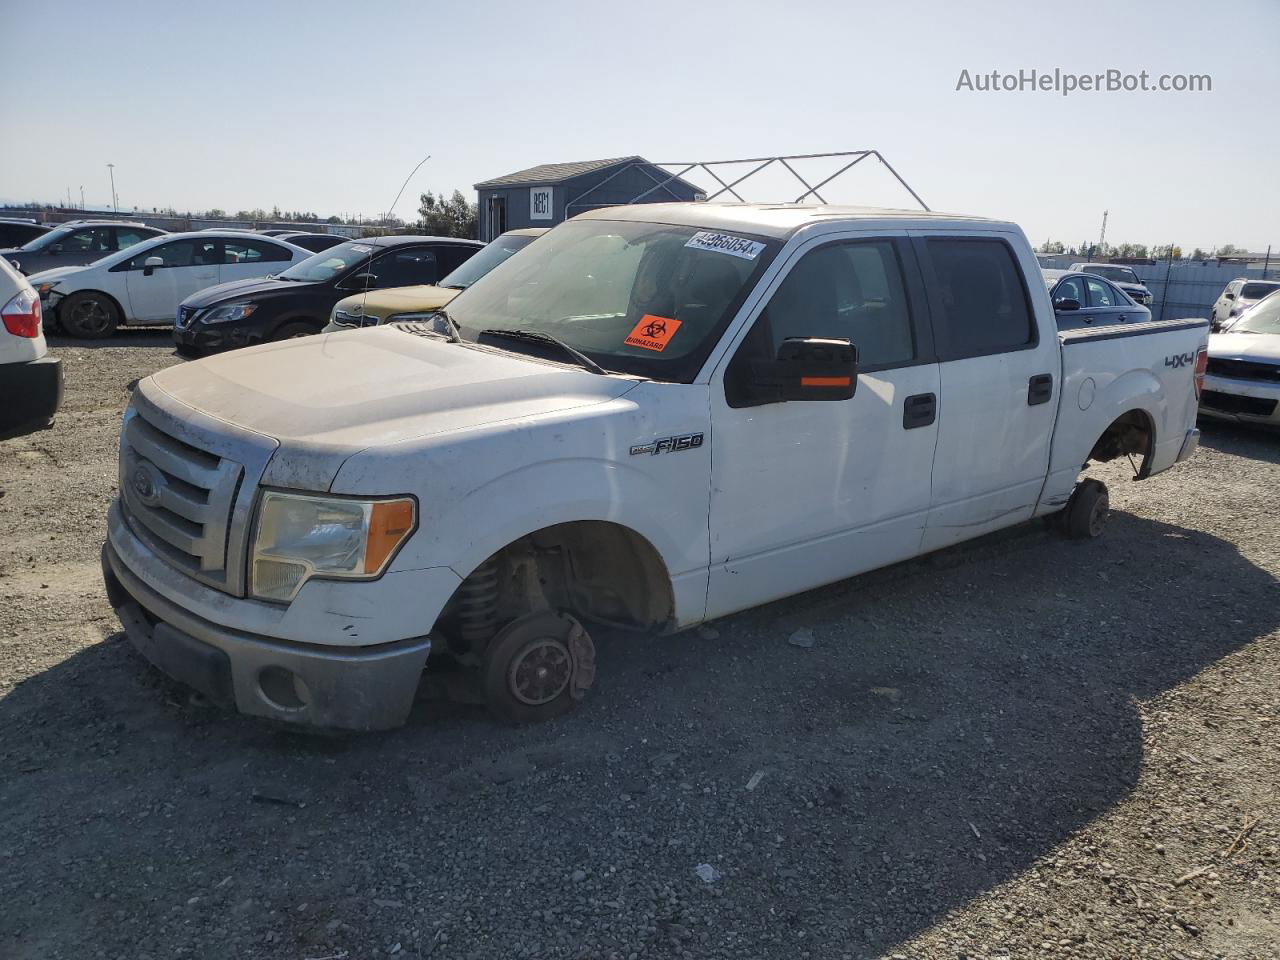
(725,243)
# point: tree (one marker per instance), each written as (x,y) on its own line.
(216,213)
(1167,252)
(454,217)
(1198,254)
(1229,250)
(1052,246)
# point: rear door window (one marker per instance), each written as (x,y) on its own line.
(1100,293)
(126,237)
(405,268)
(254,251)
(981,298)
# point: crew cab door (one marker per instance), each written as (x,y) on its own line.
(188,265)
(999,371)
(809,492)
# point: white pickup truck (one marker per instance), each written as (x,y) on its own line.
(656,415)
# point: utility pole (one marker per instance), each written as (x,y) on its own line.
(82,196)
(1102,237)
(115,203)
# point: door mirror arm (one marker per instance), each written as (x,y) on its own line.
(1066,303)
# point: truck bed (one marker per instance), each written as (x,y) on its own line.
(1138,374)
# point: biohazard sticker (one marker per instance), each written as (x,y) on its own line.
(653,333)
(725,243)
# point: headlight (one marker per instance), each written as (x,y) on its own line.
(232,311)
(300,537)
(44,289)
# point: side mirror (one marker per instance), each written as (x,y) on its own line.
(361,281)
(1066,303)
(1229,295)
(149,265)
(54,248)
(808,368)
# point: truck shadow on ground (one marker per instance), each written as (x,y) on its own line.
(956,718)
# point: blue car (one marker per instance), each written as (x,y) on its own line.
(1087,300)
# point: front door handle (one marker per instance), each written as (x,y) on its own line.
(1039,389)
(919,410)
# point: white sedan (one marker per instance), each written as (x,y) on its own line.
(145,283)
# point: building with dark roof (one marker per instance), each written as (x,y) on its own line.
(550,193)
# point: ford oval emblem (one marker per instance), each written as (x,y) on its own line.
(147,483)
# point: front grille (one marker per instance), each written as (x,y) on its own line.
(1244,370)
(1233,403)
(179,498)
(345,319)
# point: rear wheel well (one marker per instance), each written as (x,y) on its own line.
(1131,433)
(596,569)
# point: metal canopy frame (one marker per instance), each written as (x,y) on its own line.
(762,163)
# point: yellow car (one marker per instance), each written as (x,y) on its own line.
(415,303)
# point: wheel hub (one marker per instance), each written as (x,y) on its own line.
(540,671)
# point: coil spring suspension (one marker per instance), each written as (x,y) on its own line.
(478,605)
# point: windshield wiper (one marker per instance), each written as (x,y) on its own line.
(537,336)
(453,327)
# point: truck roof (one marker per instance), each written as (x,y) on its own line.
(778,220)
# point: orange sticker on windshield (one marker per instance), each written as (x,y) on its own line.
(653,333)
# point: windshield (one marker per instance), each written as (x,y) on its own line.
(481,263)
(1256,291)
(643,298)
(1264,318)
(42,241)
(1115,274)
(329,263)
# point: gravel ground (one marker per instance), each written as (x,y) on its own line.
(1021,747)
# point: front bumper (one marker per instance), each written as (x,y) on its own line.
(1242,401)
(198,340)
(30,394)
(349,688)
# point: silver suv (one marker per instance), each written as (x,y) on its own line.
(76,243)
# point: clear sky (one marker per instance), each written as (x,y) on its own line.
(327,106)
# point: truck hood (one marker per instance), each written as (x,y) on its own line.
(327,397)
(1258,347)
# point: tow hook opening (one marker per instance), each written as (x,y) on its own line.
(283,689)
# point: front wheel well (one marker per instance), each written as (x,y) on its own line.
(1131,433)
(124,318)
(596,569)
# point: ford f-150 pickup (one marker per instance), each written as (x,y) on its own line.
(654,416)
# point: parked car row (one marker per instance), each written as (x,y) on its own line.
(298,301)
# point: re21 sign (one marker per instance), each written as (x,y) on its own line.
(540,205)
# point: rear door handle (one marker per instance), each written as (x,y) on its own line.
(919,410)
(1039,389)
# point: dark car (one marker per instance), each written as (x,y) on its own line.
(315,242)
(77,243)
(14,233)
(298,301)
(1082,299)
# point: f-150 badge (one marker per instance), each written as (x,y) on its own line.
(690,441)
